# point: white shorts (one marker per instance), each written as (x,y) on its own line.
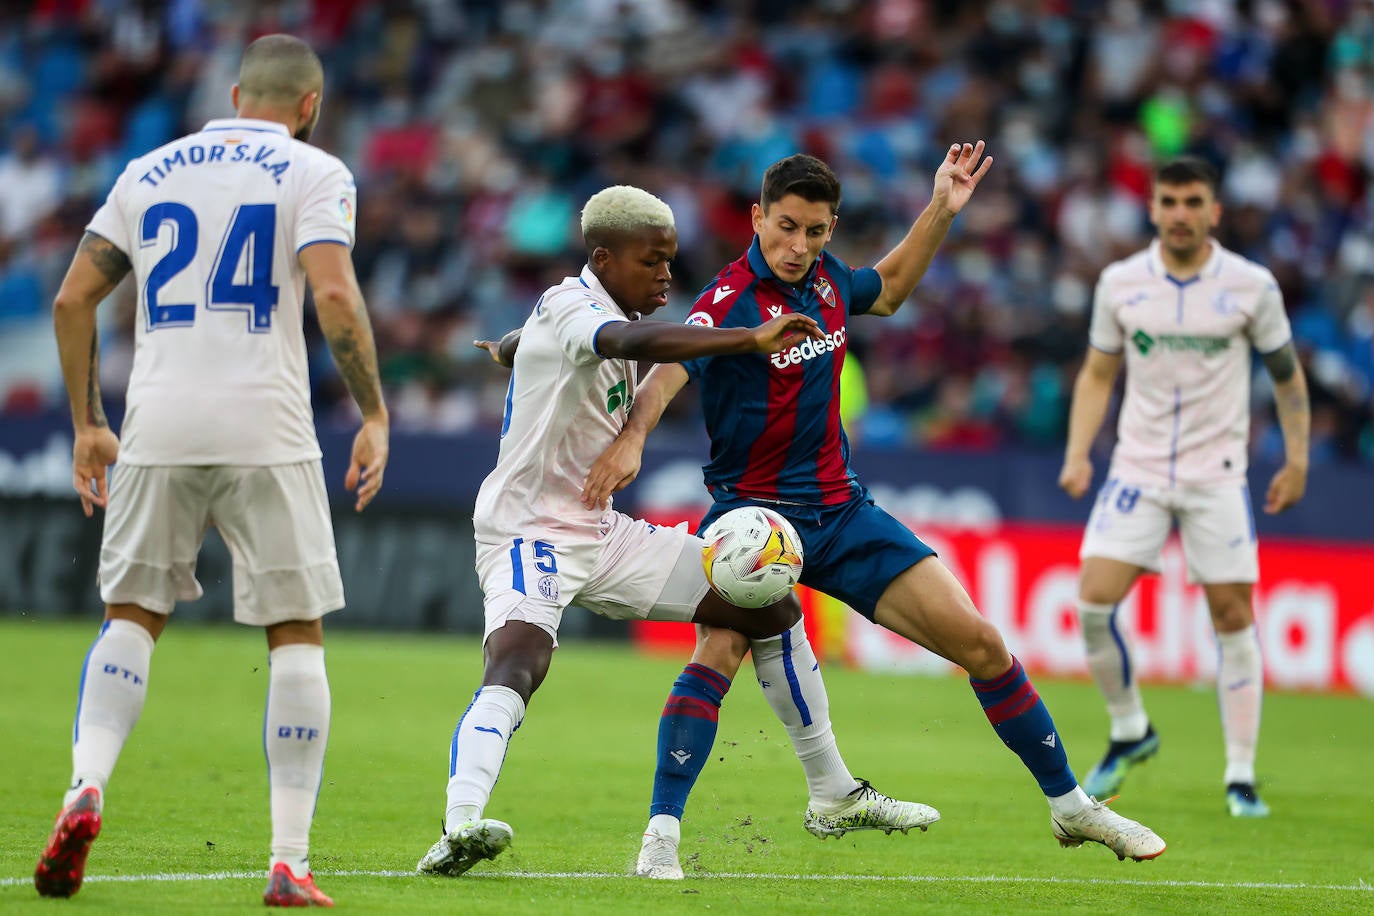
(636,571)
(1130,523)
(275,521)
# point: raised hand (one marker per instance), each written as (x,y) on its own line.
(959,175)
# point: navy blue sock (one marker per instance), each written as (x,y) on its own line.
(686,734)
(1020,718)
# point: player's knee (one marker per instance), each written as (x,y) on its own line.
(984,653)
(517,656)
(721,650)
(1232,616)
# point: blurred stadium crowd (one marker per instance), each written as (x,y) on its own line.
(476,130)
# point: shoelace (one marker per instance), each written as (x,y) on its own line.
(865,791)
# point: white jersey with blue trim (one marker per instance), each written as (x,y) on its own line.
(1185,419)
(213,224)
(564,406)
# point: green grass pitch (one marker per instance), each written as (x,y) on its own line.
(186,824)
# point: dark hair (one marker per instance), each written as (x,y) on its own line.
(1187,169)
(805,176)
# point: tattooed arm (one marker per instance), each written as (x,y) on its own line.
(95,271)
(347,330)
(1295,418)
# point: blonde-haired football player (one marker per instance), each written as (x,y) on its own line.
(1183,316)
(538,548)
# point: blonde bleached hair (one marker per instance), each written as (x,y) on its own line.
(620,211)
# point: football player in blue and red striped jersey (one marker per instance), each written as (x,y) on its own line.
(777,440)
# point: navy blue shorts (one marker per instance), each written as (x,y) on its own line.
(852,551)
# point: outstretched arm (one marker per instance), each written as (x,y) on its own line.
(903,266)
(1295,419)
(619,463)
(502,351)
(664,342)
(1092,391)
(95,271)
(348,331)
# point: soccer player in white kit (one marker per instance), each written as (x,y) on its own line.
(1183,315)
(221,229)
(539,549)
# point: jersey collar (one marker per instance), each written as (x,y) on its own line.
(1210,268)
(254,124)
(593,283)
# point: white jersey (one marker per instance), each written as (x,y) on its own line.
(565,405)
(213,224)
(1185,419)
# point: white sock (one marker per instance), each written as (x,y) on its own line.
(295,734)
(477,751)
(114,684)
(665,825)
(1109,659)
(1070,803)
(1240,694)
(786,668)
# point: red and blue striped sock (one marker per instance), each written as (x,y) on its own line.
(686,734)
(1020,718)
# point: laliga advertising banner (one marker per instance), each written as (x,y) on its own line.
(1314,608)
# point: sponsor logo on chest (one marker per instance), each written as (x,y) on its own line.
(809,349)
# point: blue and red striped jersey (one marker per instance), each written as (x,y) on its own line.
(774,421)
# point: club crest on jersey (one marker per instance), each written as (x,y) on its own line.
(825,291)
(548,587)
(700,319)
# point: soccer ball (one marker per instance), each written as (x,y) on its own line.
(752,556)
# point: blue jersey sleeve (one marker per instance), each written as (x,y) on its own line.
(866,286)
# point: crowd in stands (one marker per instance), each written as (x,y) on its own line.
(476,130)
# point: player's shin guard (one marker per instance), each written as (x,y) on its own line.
(1109,659)
(790,676)
(1020,718)
(477,751)
(295,733)
(114,685)
(1240,694)
(686,733)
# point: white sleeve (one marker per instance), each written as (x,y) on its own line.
(109,222)
(1104,333)
(329,205)
(1269,329)
(577,318)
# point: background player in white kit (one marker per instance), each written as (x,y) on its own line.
(538,548)
(221,229)
(1185,313)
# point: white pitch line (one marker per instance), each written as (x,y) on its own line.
(1360,887)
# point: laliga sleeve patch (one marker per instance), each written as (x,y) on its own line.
(700,319)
